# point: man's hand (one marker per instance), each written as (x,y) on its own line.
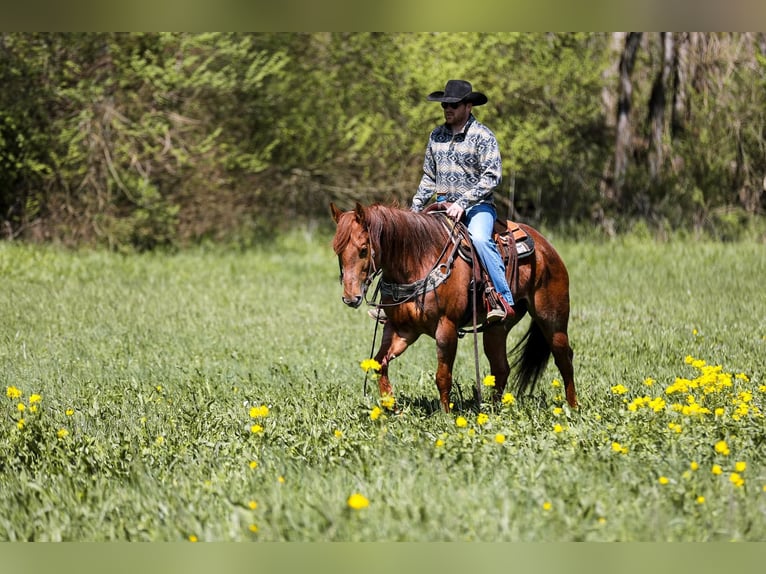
(455,212)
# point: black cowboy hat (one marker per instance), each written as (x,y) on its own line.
(458,91)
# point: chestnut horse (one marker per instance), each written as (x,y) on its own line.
(406,247)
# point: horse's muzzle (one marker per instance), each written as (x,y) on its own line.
(353,302)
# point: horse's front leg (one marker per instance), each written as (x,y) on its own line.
(446,349)
(392,345)
(495,349)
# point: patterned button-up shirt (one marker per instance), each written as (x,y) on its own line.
(462,168)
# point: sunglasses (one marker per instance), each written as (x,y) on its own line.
(454,105)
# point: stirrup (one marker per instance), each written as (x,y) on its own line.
(502,312)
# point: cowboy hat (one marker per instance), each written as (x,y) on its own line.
(457,91)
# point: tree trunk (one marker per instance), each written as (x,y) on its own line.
(678,116)
(657,105)
(624,132)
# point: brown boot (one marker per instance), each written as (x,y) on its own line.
(378,313)
(502,312)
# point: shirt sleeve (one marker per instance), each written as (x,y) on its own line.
(427,186)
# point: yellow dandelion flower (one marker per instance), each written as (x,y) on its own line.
(617,447)
(69,412)
(62,433)
(694,465)
(357,501)
(337,433)
(259,412)
(388,402)
(700,499)
(192,538)
(656,404)
(33,409)
(482,419)
(34,398)
(439,443)
(557,411)
(557,428)
(716,469)
(21,407)
(695,332)
(281,479)
(375,413)
(253,528)
(555,383)
(742,377)
(675,427)
(649,381)
(252,505)
(20,424)
(619,389)
(719,412)
(736,479)
(722,448)
(663,480)
(253,464)
(740,466)
(370,364)
(547,506)
(461,422)
(159,440)
(12,393)
(499,438)
(255,429)
(489,381)
(508,399)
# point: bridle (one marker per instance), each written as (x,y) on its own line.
(370,273)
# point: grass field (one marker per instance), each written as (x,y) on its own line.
(216,395)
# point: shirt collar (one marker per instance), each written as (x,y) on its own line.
(467,125)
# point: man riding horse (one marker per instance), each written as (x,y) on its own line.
(462,167)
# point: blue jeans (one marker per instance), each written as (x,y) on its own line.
(480,220)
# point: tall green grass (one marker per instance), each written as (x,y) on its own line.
(147,369)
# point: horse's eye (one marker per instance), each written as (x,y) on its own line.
(363,253)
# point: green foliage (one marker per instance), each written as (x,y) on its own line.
(224,131)
(149,373)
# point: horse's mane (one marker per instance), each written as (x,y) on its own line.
(404,234)
(396,233)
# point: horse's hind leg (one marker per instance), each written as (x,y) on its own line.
(552,318)
(563,355)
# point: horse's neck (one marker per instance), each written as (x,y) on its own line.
(408,263)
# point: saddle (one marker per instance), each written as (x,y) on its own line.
(512,241)
(514,244)
(507,233)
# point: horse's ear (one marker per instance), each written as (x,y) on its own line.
(335,212)
(360,213)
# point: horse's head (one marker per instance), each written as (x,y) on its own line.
(355,256)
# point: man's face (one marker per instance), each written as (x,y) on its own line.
(455,117)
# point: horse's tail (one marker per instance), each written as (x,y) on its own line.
(531,360)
